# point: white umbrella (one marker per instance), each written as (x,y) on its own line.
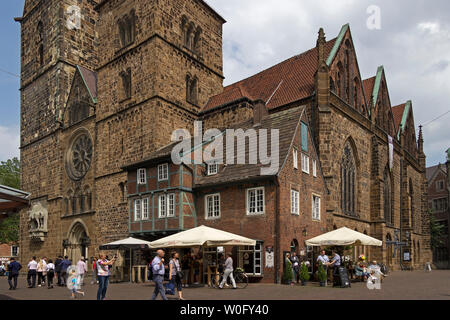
(343,237)
(202,236)
(129,243)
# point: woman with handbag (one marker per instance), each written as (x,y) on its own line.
(176,275)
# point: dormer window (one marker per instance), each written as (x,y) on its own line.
(142,176)
(163,172)
(212,169)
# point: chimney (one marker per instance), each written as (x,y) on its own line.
(259,112)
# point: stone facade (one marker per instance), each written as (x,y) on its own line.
(110,93)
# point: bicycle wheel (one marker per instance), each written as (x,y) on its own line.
(241,280)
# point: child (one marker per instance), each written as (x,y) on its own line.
(74,280)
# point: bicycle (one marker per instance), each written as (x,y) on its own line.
(240,278)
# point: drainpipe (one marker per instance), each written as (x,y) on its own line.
(277,231)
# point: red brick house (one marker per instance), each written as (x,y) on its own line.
(280,210)
(438,200)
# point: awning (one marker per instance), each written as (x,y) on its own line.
(12,199)
(202,236)
(343,237)
(129,243)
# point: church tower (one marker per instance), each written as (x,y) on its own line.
(159,63)
(56,37)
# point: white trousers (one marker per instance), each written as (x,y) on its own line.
(228,273)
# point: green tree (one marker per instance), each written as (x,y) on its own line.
(288,273)
(10,173)
(9,229)
(10,177)
(304,274)
(436,231)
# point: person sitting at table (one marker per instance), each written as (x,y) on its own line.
(360,271)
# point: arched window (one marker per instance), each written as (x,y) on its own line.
(332,85)
(411,203)
(356,93)
(126,83)
(191,89)
(348,179)
(197,41)
(40,43)
(87,199)
(190,36)
(127,28)
(387,194)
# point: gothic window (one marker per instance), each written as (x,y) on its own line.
(40,43)
(197,41)
(184,26)
(348,178)
(387,194)
(126,83)
(190,36)
(411,203)
(87,199)
(127,29)
(332,85)
(191,89)
(356,93)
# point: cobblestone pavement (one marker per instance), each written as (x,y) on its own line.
(398,286)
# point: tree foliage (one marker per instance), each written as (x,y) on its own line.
(9,229)
(10,177)
(10,173)
(436,232)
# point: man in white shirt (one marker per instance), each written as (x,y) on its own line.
(32,271)
(81,270)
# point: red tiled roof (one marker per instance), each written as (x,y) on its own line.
(286,82)
(368,85)
(398,115)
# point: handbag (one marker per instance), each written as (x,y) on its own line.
(180,275)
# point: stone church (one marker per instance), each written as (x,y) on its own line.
(105,82)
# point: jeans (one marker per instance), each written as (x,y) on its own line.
(50,276)
(102,287)
(177,282)
(159,288)
(31,278)
(64,277)
(12,278)
(228,273)
(41,278)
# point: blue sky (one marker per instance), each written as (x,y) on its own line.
(9,85)
(413,44)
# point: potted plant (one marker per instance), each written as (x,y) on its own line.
(322,275)
(288,273)
(304,274)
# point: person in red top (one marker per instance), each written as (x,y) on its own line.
(94,271)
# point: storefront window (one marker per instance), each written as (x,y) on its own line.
(250,259)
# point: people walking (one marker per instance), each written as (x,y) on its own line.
(50,273)
(13,273)
(32,271)
(228,272)
(58,262)
(65,264)
(176,275)
(41,272)
(158,269)
(81,270)
(103,265)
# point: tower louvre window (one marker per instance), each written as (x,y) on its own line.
(127,28)
(126,83)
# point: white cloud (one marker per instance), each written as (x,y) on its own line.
(9,142)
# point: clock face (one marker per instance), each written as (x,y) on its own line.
(80,157)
